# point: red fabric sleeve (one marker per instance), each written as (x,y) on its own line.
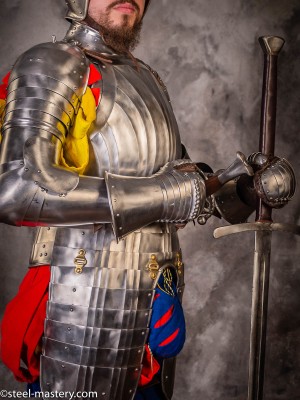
(3,87)
(23,325)
(94,77)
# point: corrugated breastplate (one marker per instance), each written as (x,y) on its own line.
(97,320)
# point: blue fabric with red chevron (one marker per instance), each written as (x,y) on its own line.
(167,325)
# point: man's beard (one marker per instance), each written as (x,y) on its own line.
(122,38)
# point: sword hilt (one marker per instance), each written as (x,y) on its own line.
(271,46)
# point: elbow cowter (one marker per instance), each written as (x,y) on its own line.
(43,97)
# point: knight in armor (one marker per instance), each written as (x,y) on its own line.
(91,156)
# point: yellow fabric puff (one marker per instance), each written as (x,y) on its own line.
(75,152)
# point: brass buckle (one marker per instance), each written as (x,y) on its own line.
(178,263)
(153,267)
(80,261)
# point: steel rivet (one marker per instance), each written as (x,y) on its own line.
(74,289)
(45,254)
(62,366)
(41,255)
(69,329)
(44,246)
(83,233)
(71,309)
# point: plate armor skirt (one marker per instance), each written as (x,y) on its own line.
(99,308)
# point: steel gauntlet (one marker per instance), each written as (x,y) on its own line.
(176,193)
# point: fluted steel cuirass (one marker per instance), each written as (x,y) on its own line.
(101,291)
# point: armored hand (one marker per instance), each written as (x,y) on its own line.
(274,181)
(176,193)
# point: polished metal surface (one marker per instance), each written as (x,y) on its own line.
(100,287)
(259,314)
(87,38)
(97,321)
(276,183)
(77,9)
(238,167)
(41,252)
(256,226)
(176,196)
(229,204)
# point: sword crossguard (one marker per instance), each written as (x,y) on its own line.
(256,226)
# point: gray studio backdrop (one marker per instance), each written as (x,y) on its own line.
(208,55)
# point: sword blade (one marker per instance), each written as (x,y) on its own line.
(261,273)
(271,46)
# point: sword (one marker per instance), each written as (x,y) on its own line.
(263,225)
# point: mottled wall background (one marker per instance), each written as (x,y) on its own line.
(208,55)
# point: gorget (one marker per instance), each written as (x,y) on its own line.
(101,291)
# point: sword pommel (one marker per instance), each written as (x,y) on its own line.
(271,45)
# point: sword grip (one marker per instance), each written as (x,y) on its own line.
(212,185)
(271,46)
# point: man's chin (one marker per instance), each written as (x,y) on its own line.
(118,19)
